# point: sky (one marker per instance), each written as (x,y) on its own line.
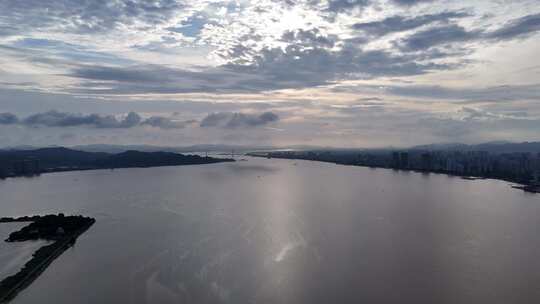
(341,73)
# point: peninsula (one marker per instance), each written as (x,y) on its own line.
(61,230)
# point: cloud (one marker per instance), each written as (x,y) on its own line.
(229,120)
(517,28)
(471,124)
(453,33)
(87,16)
(63,119)
(131,120)
(441,35)
(400,23)
(7,30)
(192,26)
(165,123)
(470,94)
(140,79)
(309,60)
(309,38)
(338,6)
(134,74)
(411,2)
(238,120)
(225,56)
(8,119)
(477,114)
(298,67)
(259,53)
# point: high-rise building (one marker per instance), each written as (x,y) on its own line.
(395,160)
(427,161)
(404,160)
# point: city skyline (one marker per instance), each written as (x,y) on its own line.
(341,73)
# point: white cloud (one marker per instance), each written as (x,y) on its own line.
(422,60)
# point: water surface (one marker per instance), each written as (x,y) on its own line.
(14,255)
(283,231)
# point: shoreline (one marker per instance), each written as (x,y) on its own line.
(516,185)
(59,170)
(39,262)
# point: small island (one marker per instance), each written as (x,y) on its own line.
(62,230)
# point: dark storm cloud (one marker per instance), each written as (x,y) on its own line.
(86,16)
(63,119)
(238,120)
(399,23)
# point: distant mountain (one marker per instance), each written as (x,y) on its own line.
(117,148)
(153,159)
(54,157)
(526,147)
(61,159)
(149,148)
(21,147)
(493,147)
(443,146)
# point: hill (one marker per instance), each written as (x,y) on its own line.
(28,162)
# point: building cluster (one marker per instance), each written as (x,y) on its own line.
(519,167)
(19,167)
(524,167)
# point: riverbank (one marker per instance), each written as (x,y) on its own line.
(516,184)
(49,160)
(528,188)
(59,170)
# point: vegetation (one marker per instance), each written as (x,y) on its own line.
(31,162)
(50,227)
(63,230)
